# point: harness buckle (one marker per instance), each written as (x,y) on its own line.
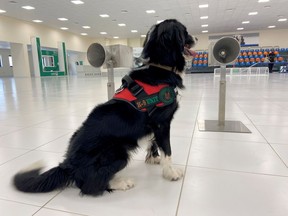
(132,85)
(136,89)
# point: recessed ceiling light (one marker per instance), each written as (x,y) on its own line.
(204,6)
(124,11)
(84,34)
(205,25)
(204,17)
(134,31)
(104,15)
(253,13)
(239,29)
(2,11)
(86,27)
(77,2)
(159,21)
(150,11)
(229,10)
(245,22)
(37,21)
(62,19)
(28,7)
(271,26)
(64,28)
(115,37)
(103,33)
(143,36)
(282,20)
(267,6)
(262,1)
(121,24)
(206,31)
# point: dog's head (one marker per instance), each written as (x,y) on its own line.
(165,43)
(191,41)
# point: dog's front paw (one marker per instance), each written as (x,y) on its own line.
(121,184)
(152,160)
(172,174)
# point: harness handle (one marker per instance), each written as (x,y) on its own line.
(133,86)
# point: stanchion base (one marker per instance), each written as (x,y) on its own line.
(228,126)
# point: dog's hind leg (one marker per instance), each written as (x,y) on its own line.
(119,183)
(153,156)
(94,181)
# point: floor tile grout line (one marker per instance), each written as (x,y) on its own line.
(221,169)
(31,150)
(23,203)
(31,126)
(264,137)
(234,140)
(64,211)
(186,165)
(47,202)
(239,171)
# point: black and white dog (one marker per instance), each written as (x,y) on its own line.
(144,105)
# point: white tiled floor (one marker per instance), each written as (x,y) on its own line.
(226,174)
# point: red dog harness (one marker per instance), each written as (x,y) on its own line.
(145,97)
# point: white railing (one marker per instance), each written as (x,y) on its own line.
(244,71)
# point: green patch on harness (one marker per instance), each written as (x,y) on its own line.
(165,97)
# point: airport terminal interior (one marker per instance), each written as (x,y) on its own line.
(48,87)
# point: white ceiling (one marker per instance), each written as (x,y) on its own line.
(224,15)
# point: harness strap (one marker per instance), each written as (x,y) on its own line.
(133,86)
(144,101)
(138,92)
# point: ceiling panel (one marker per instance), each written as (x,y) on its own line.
(224,15)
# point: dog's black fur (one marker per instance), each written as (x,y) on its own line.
(100,147)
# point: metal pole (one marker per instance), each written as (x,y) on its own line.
(110,84)
(222,96)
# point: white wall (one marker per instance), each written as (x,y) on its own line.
(19,53)
(132,42)
(274,38)
(266,38)
(74,57)
(18,31)
(6,70)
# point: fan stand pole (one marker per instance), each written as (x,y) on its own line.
(221,125)
(110,83)
(222,96)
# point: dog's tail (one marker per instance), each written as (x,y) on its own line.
(33,182)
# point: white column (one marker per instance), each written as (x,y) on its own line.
(36,55)
(20,60)
(62,57)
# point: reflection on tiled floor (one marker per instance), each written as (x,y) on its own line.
(226,174)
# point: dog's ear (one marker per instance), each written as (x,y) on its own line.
(171,35)
(164,44)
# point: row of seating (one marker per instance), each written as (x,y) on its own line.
(246,58)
